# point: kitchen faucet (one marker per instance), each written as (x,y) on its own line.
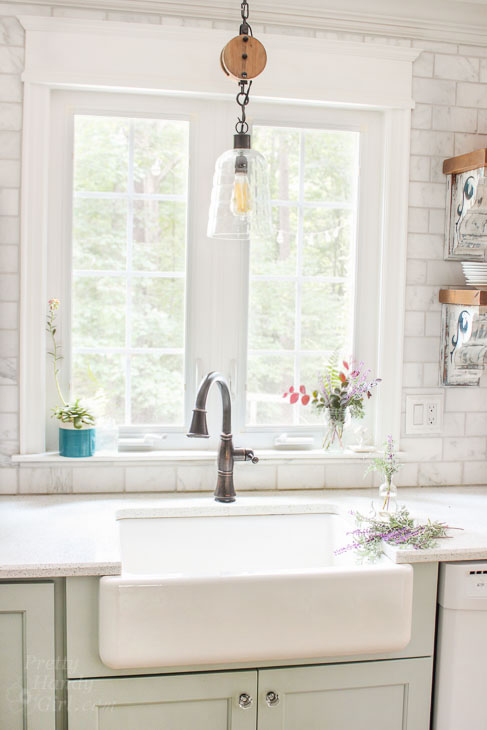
(227,454)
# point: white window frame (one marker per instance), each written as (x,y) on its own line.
(159,61)
(366,272)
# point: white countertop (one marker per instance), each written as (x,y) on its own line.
(67,535)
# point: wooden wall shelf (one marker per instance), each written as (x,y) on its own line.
(468,297)
(465,163)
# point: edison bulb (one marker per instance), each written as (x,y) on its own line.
(240,204)
(241,198)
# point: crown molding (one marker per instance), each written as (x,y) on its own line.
(459,26)
(69,53)
(49,24)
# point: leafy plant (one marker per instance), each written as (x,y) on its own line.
(74,413)
(338,389)
(395,529)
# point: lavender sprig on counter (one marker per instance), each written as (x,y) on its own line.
(395,529)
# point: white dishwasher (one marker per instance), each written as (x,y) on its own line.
(460,698)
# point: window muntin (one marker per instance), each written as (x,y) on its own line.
(130,200)
(301,300)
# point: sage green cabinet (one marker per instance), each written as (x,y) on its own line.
(27,656)
(178,702)
(383,695)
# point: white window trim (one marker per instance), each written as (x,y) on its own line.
(69,54)
(213,261)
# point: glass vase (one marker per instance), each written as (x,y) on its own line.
(387,503)
(336,420)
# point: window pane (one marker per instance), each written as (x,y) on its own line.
(98,311)
(159,235)
(302,281)
(101,154)
(160,157)
(277,255)
(129,254)
(157,383)
(268,377)
(102,379)
(99,234)
(325,314)
(158,312)
(280,147)
(329,158)
(272,307)
(327,242)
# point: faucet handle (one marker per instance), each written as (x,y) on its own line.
(245,455)
(250,456)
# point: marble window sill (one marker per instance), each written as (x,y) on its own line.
(272,456)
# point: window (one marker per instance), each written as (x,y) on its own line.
(147,76)
(153,304)
(129,263)
(301,280)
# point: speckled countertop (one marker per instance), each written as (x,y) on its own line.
(50,536)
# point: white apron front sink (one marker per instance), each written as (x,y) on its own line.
(218,584)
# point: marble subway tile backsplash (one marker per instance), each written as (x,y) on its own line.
(265,476)
(45,480)
(150,479)
(108,478)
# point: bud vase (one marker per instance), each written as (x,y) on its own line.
(387,503)
(336,420)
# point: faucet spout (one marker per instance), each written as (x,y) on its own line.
(198,428)
(227,454)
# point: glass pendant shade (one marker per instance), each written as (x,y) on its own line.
(240,200)
(473,226)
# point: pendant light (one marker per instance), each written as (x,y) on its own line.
(240,200)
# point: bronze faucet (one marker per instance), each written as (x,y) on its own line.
(227,454)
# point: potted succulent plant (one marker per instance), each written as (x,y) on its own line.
(77,422)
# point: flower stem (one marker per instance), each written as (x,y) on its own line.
(55,356)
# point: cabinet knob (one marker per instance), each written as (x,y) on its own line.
(245,701)
(272,699)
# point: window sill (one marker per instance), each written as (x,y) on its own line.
(269,456)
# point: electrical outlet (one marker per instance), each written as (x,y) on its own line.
(432,414)
(424,413)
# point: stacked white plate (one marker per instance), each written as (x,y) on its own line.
(475,273)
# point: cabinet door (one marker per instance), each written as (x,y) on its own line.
(27,656)
(383,695)
(178,702)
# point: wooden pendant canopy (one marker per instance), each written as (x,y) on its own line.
(244,57)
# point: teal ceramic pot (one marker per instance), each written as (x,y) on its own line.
(76,443)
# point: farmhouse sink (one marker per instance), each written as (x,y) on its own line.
(218,584)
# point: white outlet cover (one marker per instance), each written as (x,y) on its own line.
(420,404)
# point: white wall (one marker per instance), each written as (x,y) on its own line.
(450,88)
